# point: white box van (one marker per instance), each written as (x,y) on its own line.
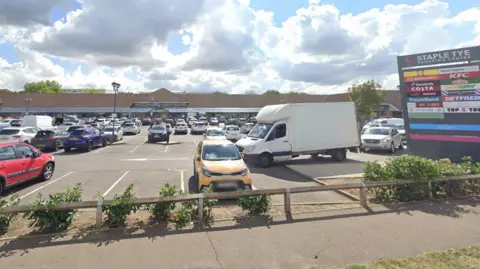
(287,131)
(42,122)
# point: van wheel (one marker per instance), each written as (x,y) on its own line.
(266,160)
(47,172)
(401,145)
(339,155)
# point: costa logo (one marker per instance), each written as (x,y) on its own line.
(423,88)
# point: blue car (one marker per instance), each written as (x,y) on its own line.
(86,139)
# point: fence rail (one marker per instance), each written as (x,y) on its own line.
(200,197)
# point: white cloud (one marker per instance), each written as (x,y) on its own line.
(231,47)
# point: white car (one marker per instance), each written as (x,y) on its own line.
(401,130)
(203,119)
(181,128)
(246,128)
(214,134)
(191,121)
(180,121)
(232,132)
(381,138)
(198,128)
(130,128)
(169,128)
(21,134)
(118,132)
(213,121)
(102,121)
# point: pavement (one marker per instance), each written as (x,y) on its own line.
(149,166)
(327,238)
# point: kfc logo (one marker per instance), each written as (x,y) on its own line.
(459,75)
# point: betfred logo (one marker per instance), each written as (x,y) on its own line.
(460,81)
(459,75)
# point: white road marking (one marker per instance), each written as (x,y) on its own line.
(99,150)
(43,186)
(131,151)
(195,142)
(182,182)
(162,159)
(166,149)
(115,184)
(253,187)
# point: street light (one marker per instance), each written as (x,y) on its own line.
(28,100)
(115,87)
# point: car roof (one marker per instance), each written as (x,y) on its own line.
(382,127)
(16,128)
(214,128)
(217,142)
(231,125)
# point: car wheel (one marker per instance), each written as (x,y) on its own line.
(392,148)
(266,160)
(90,146)
(47,171)
(2,186)
(57,146)
(67,149)
(104,143)
(401,145)
(26,142)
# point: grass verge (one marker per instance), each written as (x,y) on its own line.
(461,258)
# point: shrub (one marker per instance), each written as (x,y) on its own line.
(189,211)
(163,211)
(255,205)
(6,218)
(123,205)
(49,219)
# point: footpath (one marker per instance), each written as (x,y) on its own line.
(323,239)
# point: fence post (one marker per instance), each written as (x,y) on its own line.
(430,190)
(286,202)
(363,195)
(98,218)
(200,207)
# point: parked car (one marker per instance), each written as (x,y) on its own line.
(158,133)
(49,140)
(16,123)
(170,121)
(204,120)
(219,164)
(74,127)
(130,128)
(146,121)
(381,138)
(213,121)
(181,128)
(246,128)
(214,134)
(191,121)
(401,130)
(20,162)
(6,123)
(20,134)
(66,125)
(116,135)
(198,128)
(86,138)
(232,133)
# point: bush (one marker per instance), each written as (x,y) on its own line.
(421,170)
(255,205)
(163,211)
(189,211)
(123,205)
(49,219)
(6,218)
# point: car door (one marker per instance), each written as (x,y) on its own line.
(11,168)
(32,167)
(278,143)
(96,137)
(397,138)
(198,154)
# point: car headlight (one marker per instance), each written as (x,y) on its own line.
(206,172)
(244,171)
(385,140)
(250,148)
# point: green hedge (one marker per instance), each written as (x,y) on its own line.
(421,170)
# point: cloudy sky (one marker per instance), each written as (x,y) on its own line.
(229,45)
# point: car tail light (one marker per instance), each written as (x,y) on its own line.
(51,139)
(16,136)
(33,139)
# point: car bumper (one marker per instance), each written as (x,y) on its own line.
(181,131)
(225,182)
(233,137)
(76,144)
(376,146)
(158,138)
(44,145)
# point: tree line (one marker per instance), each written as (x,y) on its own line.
(368,96)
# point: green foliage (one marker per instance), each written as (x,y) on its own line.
(163,211)
(255,205)
(368,97)
(250,92)
(5,91)
(6,218)
(272,92)
(421,170)
(189,211)
(49,219)
(297,93)
(123,205)
(220,93)
(47,86)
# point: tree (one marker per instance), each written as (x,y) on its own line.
(297,93)
(368,97)
(93,91)
(220,93)
(5,91)
(250,92)
(47,86)
(272,92)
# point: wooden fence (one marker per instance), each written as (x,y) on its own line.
(200,197)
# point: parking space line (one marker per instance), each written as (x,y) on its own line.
(131,151)
(195,142)
(99,150)
(253,187)
(115,183)
(43,186)
(166,149)
(182,182)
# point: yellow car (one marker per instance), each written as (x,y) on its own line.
(219,164)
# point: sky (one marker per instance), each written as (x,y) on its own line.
(311,46)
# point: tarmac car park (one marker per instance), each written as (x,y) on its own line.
(149,166)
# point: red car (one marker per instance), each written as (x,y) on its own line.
(21,162)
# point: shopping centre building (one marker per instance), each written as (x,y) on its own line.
(163,101)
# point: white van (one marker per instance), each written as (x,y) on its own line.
(42,122)
(287,131)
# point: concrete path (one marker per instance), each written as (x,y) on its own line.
(329,238)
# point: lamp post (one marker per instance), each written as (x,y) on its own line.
(115,87)
(28,100)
